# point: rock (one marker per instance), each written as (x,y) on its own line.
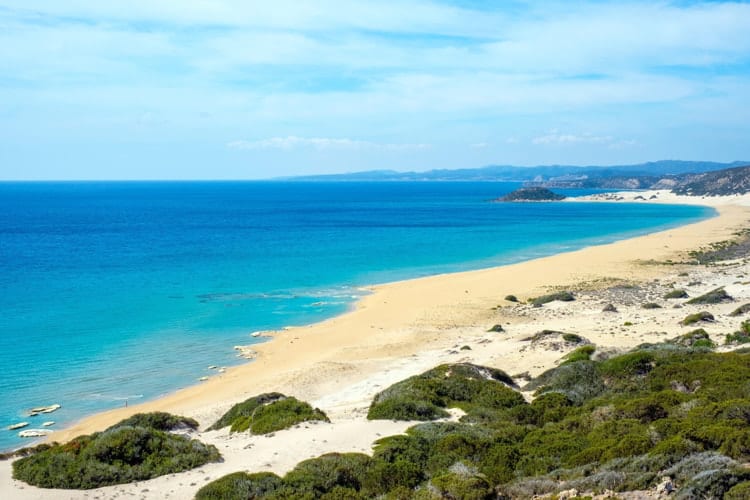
(609,308)
(665,487)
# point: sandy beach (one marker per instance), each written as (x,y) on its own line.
(403,328)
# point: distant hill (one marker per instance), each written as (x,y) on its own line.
(549,175)
(718,183)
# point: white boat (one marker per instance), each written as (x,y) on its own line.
(44,409)
(34,433)
(19,425)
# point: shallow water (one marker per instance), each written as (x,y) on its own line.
(115,291)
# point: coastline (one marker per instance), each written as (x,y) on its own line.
(403,328)
(402,317)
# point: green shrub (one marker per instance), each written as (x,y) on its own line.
(743,309)
(573,338)
(245,409)
(279,415)
(740,491)
(581,354)
(511,298)
(496,329)
(563,296)
(466,487)
(651,305)
(715,296)
(695,318)
(677,293)
(577,381)
(268,412)
(159,421)
(121,454)
(425,396)
(322,474)
(240,485)
(696,338)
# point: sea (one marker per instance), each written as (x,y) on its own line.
(115,292)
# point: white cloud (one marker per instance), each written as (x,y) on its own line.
(319,143)
(556,137)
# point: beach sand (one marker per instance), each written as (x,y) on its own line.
(403,328)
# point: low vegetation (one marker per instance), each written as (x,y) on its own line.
(716,296)
(651,305)
(563,296)
(139,448)
(677,293)
(691,319)
(268,412)
(740,311)
(511,298)
(742,336)
(672,409)
(532,194)
(426,396)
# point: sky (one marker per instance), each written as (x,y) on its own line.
(245,89)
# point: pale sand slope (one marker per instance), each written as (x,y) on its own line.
(404,328)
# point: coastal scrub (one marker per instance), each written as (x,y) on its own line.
(268,412)
(139,448)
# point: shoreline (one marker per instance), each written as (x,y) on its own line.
(250,352)
(365,317)
(406,327)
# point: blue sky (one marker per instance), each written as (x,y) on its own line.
(241,89)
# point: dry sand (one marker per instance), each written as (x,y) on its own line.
(404,328)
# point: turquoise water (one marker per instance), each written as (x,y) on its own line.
(114,291)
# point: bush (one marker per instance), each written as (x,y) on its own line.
(268,412)
(511,298)
(581,354)
(121,454)
(715,296)
(281,414)
(651,305)
(572,338)
(740,491)
(579,381)
(743,309)
(696,338)
(496,329)
(695,318)
(677,293)
(159,421)
(321,475)
(425,396)
(466,487)
(563,296)
(240,485)
(245,409)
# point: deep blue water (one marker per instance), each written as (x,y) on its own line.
(131,290)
